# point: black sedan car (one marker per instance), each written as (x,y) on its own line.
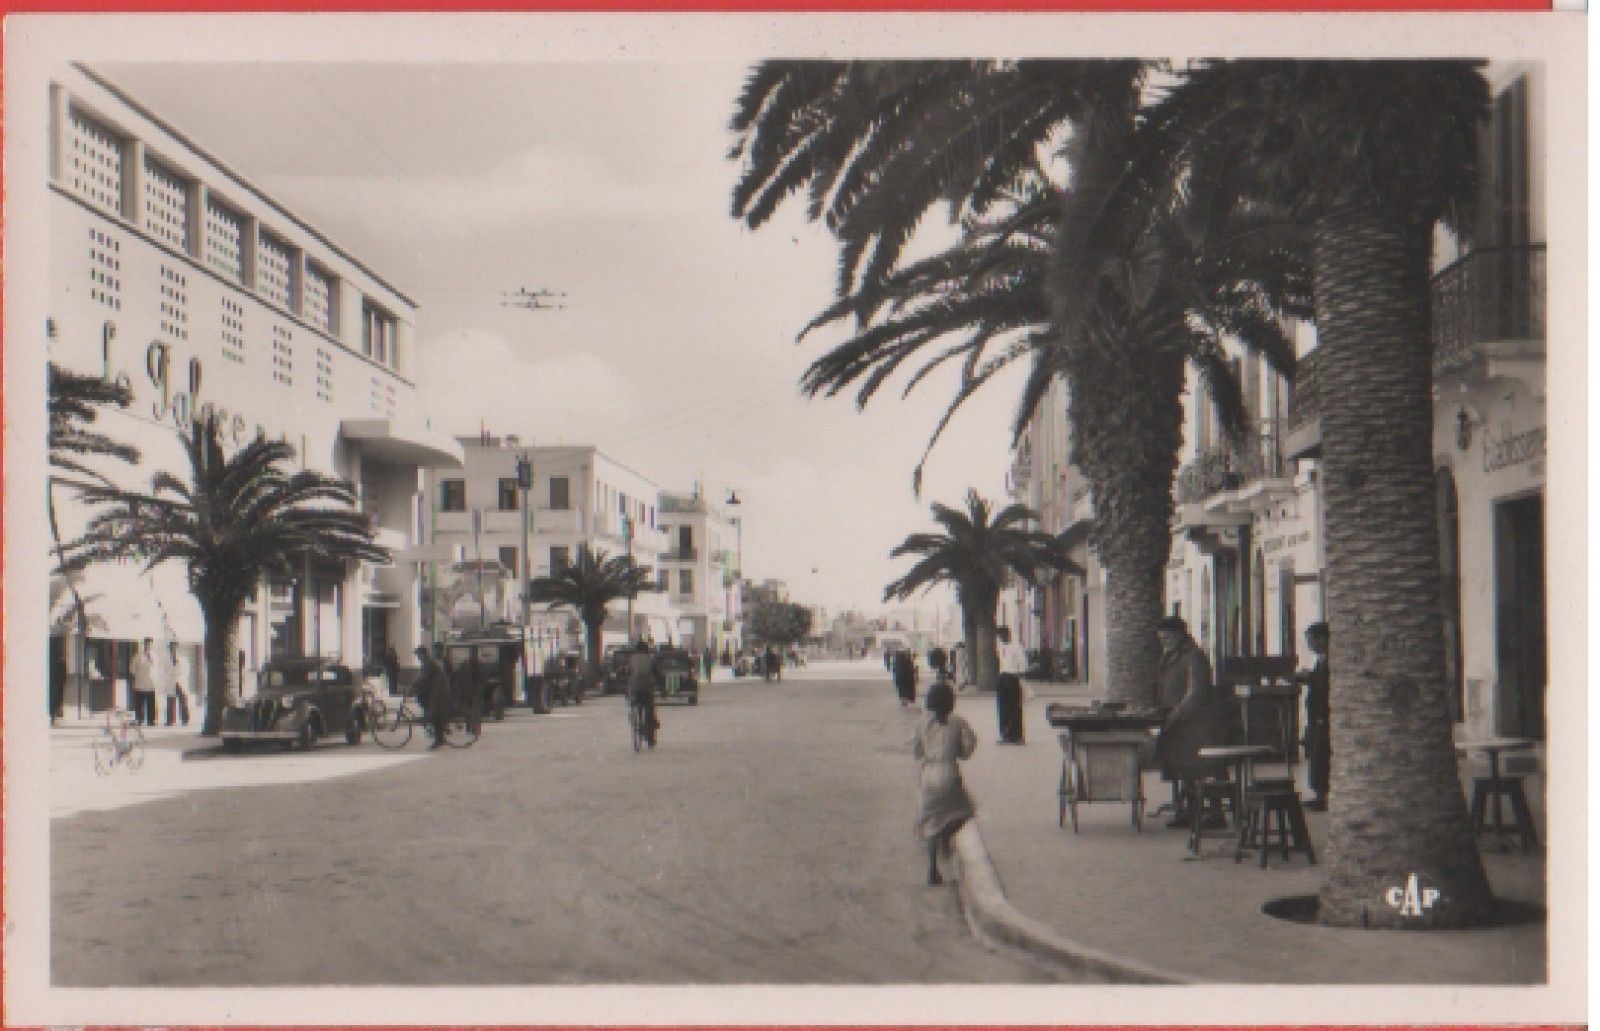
(297,701)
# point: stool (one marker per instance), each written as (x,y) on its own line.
(1261,808)
(1212,795)
(1486,793)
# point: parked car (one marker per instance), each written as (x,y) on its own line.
(616,668)
(485,666)
(680,678)
(297,701)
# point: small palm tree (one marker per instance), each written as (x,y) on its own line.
(588,585)
(232,520)
(976,554)
(73,402)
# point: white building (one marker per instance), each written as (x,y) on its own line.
(174,274)
(483,538)
(700,566)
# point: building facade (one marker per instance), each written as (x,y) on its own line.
(486,531)
(171,273)
(700,567)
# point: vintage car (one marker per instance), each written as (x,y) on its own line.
(565,675)
(680,676)
(485,667)
(616,668)
(297,701)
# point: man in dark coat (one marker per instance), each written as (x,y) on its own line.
(644,679)
(433,692)
(1198,713)
(1319,750)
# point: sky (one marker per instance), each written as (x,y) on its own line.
(676,352)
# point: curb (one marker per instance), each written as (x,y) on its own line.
(992,917)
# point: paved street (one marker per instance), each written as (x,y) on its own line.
(767,840)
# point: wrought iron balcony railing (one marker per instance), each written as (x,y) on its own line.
(1231,466)
(1493,294)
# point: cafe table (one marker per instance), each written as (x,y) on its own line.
(1241,759)
(1493,747)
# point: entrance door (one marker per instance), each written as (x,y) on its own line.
(1520,614)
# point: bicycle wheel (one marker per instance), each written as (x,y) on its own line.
(461,731)
(133,750)
(105,754)
(391,727)
(636,725)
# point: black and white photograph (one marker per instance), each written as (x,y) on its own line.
(795,518)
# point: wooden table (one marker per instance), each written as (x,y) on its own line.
(1492,747)
(1240,757)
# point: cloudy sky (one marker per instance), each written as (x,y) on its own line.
(609,181)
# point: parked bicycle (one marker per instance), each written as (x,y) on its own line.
(119,743)
(392,724)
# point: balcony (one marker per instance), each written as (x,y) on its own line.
(689,554)
(1235,467)
(1489,304)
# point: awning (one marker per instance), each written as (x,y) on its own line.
(388,440)
(125,603)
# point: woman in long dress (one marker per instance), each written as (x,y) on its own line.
(941,743)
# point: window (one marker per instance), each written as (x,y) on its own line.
(661,580)
(96,161)
(166,205)
(377,334)
(508,494)
(558,558)
(275,263)
(320,299)
(685,581)
(224,249)
(508,559)
(559,498)
(453,495)
(686,541)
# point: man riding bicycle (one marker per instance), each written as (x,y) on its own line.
(644,673)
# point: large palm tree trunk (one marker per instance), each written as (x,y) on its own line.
(986,654)
(222,631)
(1396,805)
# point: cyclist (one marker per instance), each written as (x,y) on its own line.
(433,692)
(644,676)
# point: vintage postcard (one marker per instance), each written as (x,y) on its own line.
(778,518)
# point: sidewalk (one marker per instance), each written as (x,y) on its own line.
(1112,892)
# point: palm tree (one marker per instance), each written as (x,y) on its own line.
(73,403)
(1369,157)
(232,520)
(588,585)
(975,555)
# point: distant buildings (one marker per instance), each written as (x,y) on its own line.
(699,568)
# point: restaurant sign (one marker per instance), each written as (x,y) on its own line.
(177,388)
(1509,448)
(1288,540)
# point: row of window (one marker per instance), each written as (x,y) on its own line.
(453,498)
(228,241)
(561,556)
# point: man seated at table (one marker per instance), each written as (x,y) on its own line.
(1198,713)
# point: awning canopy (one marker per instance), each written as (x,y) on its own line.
(124,603)
(388,440)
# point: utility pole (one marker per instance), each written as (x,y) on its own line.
(477,563)
(524,485)
(627,544)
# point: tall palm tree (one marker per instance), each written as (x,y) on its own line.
(1369,157)
(231,519)
(588,585)
(73,402)
(976,554)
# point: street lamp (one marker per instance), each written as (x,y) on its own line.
(738,568)
(524,485)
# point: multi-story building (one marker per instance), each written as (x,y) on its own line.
(700,566)
(484,538)
(172,273)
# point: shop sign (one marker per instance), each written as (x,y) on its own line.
(179,403)
(1290,540)
(1509,448)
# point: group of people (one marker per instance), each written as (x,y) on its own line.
(1198,714)
(154,675)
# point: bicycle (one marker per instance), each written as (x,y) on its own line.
(639,725)
(119,743)
(392,726)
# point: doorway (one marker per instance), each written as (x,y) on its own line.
(1520,614)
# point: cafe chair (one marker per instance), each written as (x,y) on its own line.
(1269,811)
(1214,797)
(1487,792)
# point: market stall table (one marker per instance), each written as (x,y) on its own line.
(1103,751)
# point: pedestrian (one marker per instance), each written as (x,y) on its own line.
(1199,715)
(939,662)
(904,670)
(391,669)
(432,689)
(142,673)
(644,679)
(1319,747)
(769,664)
(944,805)
(1008,688)
(58,681)
(174,674)
(708,662)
